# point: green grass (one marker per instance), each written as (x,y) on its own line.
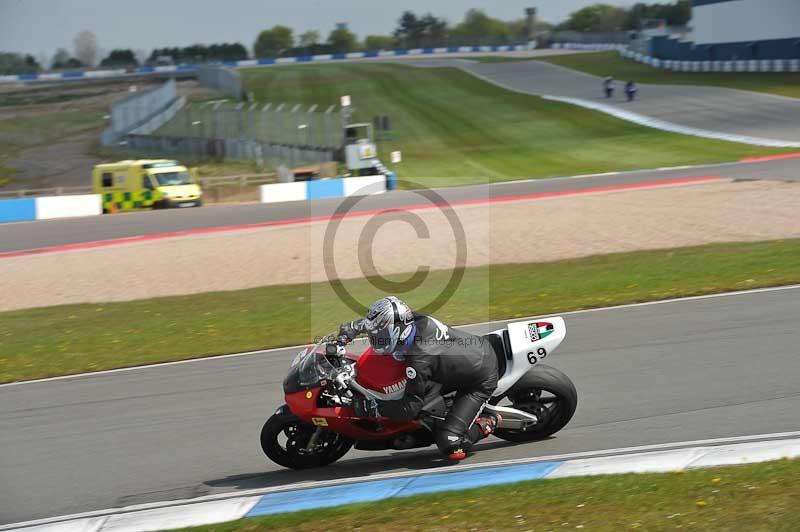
(33,129)
(7,153)
(612,64)
(754,498)
(456,129)
(78,338)
(41,96)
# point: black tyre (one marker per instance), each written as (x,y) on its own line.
(285,438)
(550,395)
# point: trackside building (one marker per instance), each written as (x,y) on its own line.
(723,30)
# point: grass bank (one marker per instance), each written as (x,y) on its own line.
(71,339)
(34,129)
(612,64)
(454,128)
(756,497)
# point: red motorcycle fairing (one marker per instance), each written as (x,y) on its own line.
(377,372)
(380,373)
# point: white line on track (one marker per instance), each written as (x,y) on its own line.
(275,349)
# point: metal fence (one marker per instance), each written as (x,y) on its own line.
(273,124)
(263,153)
(52,191)
(141,108)
(268,134)
(225,80)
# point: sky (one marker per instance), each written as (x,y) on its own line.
(39,27)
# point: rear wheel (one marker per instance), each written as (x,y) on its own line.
(285,440)
(547,393)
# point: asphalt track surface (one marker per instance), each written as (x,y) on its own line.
(717,109)
(48,233)
(656,373)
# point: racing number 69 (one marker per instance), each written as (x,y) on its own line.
(533,358)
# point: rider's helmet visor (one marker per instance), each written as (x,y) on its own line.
(384,339)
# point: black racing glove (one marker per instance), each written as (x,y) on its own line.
(366,407)
(351,329)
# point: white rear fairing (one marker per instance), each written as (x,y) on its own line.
(531,342)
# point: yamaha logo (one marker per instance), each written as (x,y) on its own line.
(396,387)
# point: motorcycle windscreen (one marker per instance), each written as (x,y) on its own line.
(308,372)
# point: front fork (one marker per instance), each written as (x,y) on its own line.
(312,441)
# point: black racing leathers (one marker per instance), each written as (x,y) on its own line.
(457,360)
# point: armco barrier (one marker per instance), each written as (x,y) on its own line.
(323,188)
(49,207)
(57,76)
(762,65)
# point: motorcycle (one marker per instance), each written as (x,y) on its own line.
(318,425)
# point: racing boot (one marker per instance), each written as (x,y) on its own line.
(484,426)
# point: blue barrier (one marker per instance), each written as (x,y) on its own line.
(325,188)
(17,210)
(262,61)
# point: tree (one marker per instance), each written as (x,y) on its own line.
(373,43)
(309,38)
(120,58)
(596,18)
(342,40)
(60,58)
(676,14)
(479,28)
(273,42)
(434,30)
(409,31)
(85,44)
(415,32)
(32,64)
(11,63)
(141,55)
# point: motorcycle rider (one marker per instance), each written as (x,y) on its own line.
(434,353)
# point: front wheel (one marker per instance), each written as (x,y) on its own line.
(550,395)
(285,440)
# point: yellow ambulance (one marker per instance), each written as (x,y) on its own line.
(145,184)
